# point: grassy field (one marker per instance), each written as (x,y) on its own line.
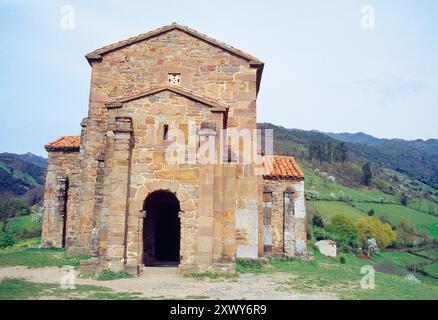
(13,289)
(423,205)
(24,227)
(328,209)
(396,213)
(35,258)
(365,199)
(329,275)
(432,269)
(329,190)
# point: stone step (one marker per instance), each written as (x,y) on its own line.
(160,271)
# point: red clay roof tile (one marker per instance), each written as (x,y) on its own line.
(65,143)
(281,167)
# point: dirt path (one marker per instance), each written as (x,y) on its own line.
(170,285)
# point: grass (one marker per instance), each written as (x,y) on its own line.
(430,253)
(327,188)
(432,269)
(13,289)
(401,258)
(211,276)
(329,275)
(397,213)
(423,205)
(37,258)
(107,275)
(24,227)
(26,243)
(196,297)
(328,209)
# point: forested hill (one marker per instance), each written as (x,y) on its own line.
(22,175)
(417,159)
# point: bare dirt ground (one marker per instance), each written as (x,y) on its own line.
(166,284)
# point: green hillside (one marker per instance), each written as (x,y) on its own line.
(334,198)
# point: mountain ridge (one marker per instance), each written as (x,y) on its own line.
(416,159)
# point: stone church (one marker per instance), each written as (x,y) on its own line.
(111,193)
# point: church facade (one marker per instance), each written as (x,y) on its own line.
(132,190)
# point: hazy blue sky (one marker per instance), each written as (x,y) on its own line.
(323,70)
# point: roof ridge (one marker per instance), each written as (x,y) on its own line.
(96,54)
(64,143)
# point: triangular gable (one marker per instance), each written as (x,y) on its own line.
(96,55)
(215,105)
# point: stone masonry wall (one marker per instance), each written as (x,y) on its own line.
(293,227)
(62,170)
(209,71)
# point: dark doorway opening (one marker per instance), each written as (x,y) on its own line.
(161,229)
(63,198)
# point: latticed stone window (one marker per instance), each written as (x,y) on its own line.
(174,78)
(267,223)
(289,202)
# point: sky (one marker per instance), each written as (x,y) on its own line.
(331,65)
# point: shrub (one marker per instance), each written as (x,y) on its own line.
(343,260)
(344,198)
(344,230)
(106,275)
(7,239)
(372,227)
(371,212)
(317,221)
(311,195)
(406,227)
(248,265)
(404,199)
(367,175)
(320,234)
(37,215)
(406,235)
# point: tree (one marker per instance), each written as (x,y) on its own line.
(373,228)
(404,199)
(371,212)
(344,230)
(406,227)
(9,208)
(367,175)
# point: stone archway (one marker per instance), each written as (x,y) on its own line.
(161,229)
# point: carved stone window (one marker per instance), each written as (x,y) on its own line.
(174,78)
(166,132)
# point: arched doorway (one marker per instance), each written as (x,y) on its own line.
(161,229)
